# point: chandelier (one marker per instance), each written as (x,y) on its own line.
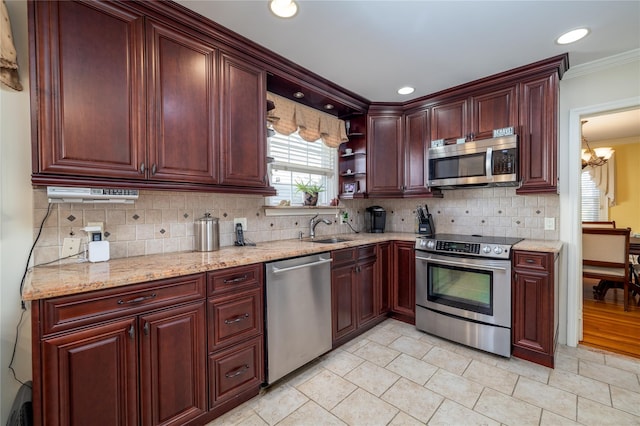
(589,156)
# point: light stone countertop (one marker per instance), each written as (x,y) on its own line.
(51,281)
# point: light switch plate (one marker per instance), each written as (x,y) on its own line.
(240,220)
(549,223)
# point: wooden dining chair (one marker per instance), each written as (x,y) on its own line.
(605,256)
(610,224)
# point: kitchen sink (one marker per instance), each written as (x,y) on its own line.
(331,240)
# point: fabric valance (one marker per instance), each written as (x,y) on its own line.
(8,56)
(289,116)
(605,179)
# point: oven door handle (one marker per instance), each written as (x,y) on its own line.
(448,262)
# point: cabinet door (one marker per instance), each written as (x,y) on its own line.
(404,281)
(384,277)
(91,376)
(183,113)
(384,155)
(449,121)
(415,153)
(343,308)
(173,353)
(244,141)
(89,113)
(493,110)
(366,292)
(538,138)
(532,314)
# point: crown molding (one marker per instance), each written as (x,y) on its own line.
(603,64)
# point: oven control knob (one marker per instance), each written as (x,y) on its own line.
(430,244)
(486,249)
(497,250)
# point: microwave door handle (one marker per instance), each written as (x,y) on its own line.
(487,164)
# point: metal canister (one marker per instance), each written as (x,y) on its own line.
(207,233)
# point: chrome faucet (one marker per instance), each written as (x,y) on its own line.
(313,223)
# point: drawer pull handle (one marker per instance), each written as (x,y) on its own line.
(530,261)
(236,280)
(136,300)
(237,372)
(237,319)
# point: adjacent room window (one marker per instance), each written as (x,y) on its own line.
(594,205)
(295,159)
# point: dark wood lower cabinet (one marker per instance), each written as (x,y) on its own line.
(403,300)
(535,307)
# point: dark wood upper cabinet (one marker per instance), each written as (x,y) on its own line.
(416,146)
(87,90)
(449,121)
(183,108)
(244,146)
(385,162)
(494,110)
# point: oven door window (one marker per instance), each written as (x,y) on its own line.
(467,289)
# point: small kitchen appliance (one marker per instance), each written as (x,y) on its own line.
(424,221)
(375,219)
(207,233)
(463,289)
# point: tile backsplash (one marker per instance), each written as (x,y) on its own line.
(163,222)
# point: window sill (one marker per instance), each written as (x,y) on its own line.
(300,210)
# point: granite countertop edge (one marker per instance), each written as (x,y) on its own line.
(73,278)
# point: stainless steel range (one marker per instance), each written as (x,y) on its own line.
(463,289)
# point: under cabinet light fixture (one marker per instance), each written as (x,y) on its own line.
(328,106)
(298,95)
(572,36)
(283,8)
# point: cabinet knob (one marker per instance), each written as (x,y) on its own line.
(153,169)
(141,169)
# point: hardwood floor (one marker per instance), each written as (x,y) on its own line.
(605,323)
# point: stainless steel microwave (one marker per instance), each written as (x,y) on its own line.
(487,162)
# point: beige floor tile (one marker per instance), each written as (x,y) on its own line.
(611,375)
(591,413)
(478,355)
(457,388)
(403,419)
(450,413)
(407,330)
(524,368)
(625,400)
(327,389)
(278,403)
(583,352)
(566,363)
(242,415)
(411,346)
(377,353)
(362,408)
(547,397)
(450,361)
(623,363)
(384,336)
(303,374)
(372,378)
(581,386)
(411,368)
(311,414)
(413,399)
(493,377)
(340,362)
(552,419)
(506,409)
(355,344)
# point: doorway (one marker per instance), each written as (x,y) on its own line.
(605,324)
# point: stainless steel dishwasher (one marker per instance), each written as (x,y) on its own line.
(298,312)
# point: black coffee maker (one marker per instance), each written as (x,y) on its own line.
(375,219)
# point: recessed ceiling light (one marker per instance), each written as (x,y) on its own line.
(298,95)
(572,36)
(283,8)
(328,106)
(406,90)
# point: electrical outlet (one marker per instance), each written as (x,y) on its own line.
(71,247)
(242,221)
(344,218)
(549,223)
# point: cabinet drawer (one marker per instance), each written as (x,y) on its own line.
(234,318)
(233,279)
(235,370)
(531,260)
(344,255)
(366,251)
(63,313)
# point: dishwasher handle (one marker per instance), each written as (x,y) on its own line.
(305,265)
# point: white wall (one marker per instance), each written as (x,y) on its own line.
(609,84)
(15,213)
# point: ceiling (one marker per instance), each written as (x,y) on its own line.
(372,48)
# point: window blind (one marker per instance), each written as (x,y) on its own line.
(591,200)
